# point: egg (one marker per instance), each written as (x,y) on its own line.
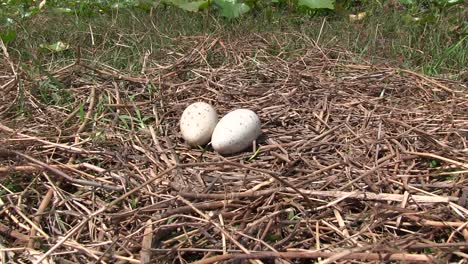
(197,123)
(236,131)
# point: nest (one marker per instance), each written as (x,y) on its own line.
(355,163)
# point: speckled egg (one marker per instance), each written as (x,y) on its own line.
(197,123)
(236,131)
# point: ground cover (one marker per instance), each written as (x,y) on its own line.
(362,158)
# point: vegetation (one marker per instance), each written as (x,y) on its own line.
(429,36)
(359,153)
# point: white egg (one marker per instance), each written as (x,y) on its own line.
(236,131)
(197,123)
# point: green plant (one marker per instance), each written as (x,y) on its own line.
(81,113)
(434,163)
(18,10)
(127,121)
(52,92)
(254,155)
(11,185)
(273,238)
(8,35)
(418,35)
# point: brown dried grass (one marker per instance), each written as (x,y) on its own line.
(343,171)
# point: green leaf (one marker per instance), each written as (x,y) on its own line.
(254,155)
(8,36)
(194,6)
(170,220)
(273,238)
(447,3)
(81,113)
(292,214)
(231,8)
(434,163)
(147,4)
(61,10)
(191,6)
(6,21)
(408,2)
(55,47)
(30,12)
(428,18)
(318,4)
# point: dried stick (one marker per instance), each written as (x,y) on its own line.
(45,202)
(101,210)
(146,244)
(33,225)
(315,255)
(367,173)
(431,81)
(98,253)
(277,177)
(13,218)
(424,222)
(60,146)
(402,205)
(343,254)
(227,196)
(87,117)
(64,175)
(15,74)
(418,131)
(12,249)
(434,156)
(458,245)
(178,210)
(34,168)
(13,233)
(239,245)
(7,56)
(382,196)
(337,194)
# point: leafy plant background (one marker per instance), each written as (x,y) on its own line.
(12,10)
(418,14)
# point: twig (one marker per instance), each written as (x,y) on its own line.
(430,81)
(438,245)
(239,245)
(34,168)
(276,177)
(5,53)
(15,75)
(146,244)
(434,156)
(87,117)
(337,194)
(227,196)
(367,173)
(174,211)
(344,253)
(29,221)
(424,222)
(314,255)
(13,233)
(80,247)
(61,146)
(402,205)
(101,210)
(62,174)
(45,202)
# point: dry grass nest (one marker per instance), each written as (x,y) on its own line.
(356,163)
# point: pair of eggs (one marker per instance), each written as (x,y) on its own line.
(233,133)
